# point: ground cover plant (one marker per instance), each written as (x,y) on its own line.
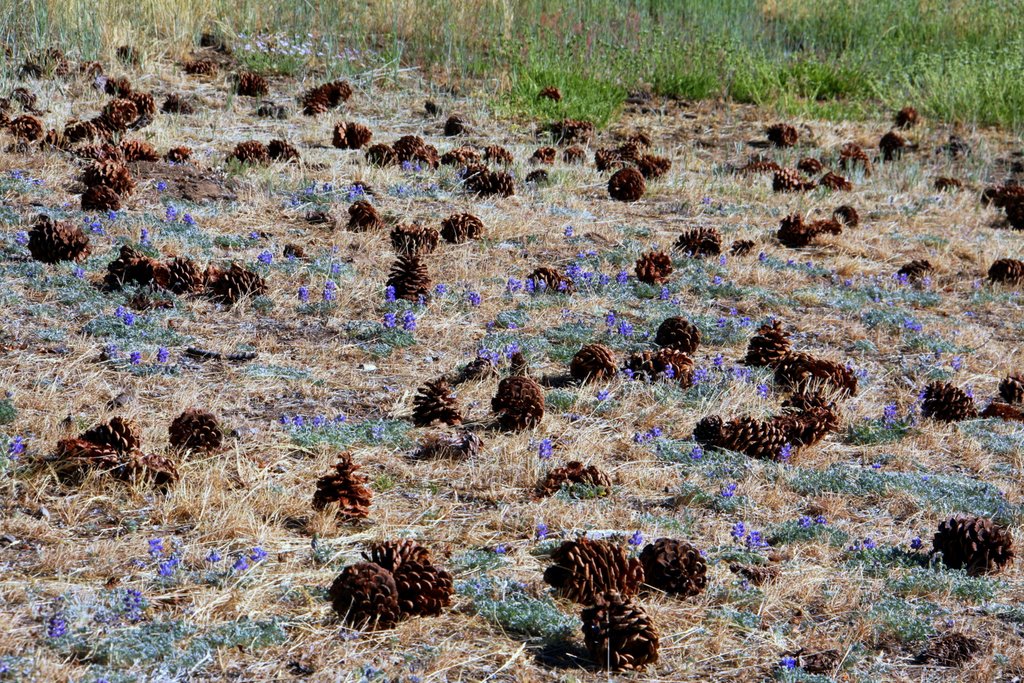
(373,361)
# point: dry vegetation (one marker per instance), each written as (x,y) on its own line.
(219,566)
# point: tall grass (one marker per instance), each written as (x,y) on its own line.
(957,60)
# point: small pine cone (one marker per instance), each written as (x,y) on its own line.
(915,271)
(138,150)
(798,370)
(618,634)
(758,575)
(519,403)
(176,104)
(250,84)
(282,150)
(846,216)
(498,155)
(666,362)
(674,567)
(975,544)
(852,154)
(768,347)
(834,181)
(627,185)
(460,156)
(477,369)
(1012,389)
(571,131)
(345,486)
(435,402)
(408,147)
(178,155)
(460,446)
(946,184)
(100,198)
(544,155)
(414,239)
(592,363)
(365,596)
(117,116)
(455,125)
(391,555)
(381,155)
(196,430)
(199,67)
(700,242)
(950,649)
(574,155)
(654,267)
(575,473)
(538,177)
(550,92)
(810,166)
(812,424)
(75,458)
(112,174)
(324,97)
(782,135)
(760,166)
(741,247)
(118,434)
(51,242)
(518,366)
(27,128)
(947,403)
(1003,411)
(790,180)
(584,569)
(231,286)
(409,277)
(251,152)
(906,118)
(339,135)
(461,227)
(184,276)
(423,589)
(609,159)
(892,146)
(156,470)
(117,86)
(362,216)
(1007,270)
(551,280)
(678,333)
(653,167)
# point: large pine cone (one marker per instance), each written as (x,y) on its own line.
(51,242)
(346,487)
(852,154)
(392,554)
(741,247)
(112,174)
(627,185)
(365,596)
(768,347)
(381,155)
(145,105)
(196,430)
(756,438)
(575,473)
(79,131)
(574,155)
(414,239)
(199,67)
(571,131)
(790,180)
(27,128)
(435,402)
(100,198)
(324,97)
(423,589)
(593,362)
(412,148)
(251,152)
(151,468)
(976,544)
(544,155)
(797,370)
(362,216)
(674,567)
(1007,270)
(551,280)
(119,434)
(618,633)
(351,135)
(654,267)
(282,150)
(138,150)
(229,287)
(184,276)
(759,166)
(584,569)
(519,403)
(409,277)
(1003,411)
(700,242)
(655,364)
(461,227)
(1012,389)
(251,84)
(892,145)
(834,181)
(817,417)
(782,135)
(795,233)
(678,333)
(117,117)
(947,403)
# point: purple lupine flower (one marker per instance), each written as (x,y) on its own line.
(545,449)
(56,626)
(500,549)
(474,298)
(78,272)
(696,453)
(820,519)
(258,554)
(625,329)
(135,358)
(167,567)
(636,539)
(701,375)
(729,490)
(762,390)
(785,452)
(739,529)
(787,663)
(389,293)
(304,294)
(916,543)
(441,289)
(265,257)
(329,289)
(889,414)
(603,394)
(513,285)
(162,355)
(241,564)
(542,531)
(622,278)
(213,557)
(804,522)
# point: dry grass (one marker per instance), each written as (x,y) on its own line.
(65,547)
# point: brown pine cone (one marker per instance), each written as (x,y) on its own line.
(484,182)
(768,347)
(78,131)
(460,156)
(132,266)
(156,470)
(100,198)
(26,128)
(346,487)
(409,277)
(435,402)
(618,634)
(584,569)
(574,155)
(947,403)
(199,67)
(538,177)
(675,567)
(414,239)
(459,446)
(834,181)
(146,107)
(251,84)
(498,155)
(571,131)
(852,154)
(592,363)
(653,268)
(915,271)
(518,366)
(455,125)
(231,286)
(251,152)
(117,86)
(814,419)
(945,184)
(423,589)
(325,97)
(810,166)
(653,167)
(176,104)
(575,473)
(678,333)
(892,146)
(117,116)
(790,180)
(975,544)
(365,596)
(282,150)
(755,574)
(137,150)
(1007,270)
(391,555)
(760,166)
(795,233)
(76,458)
(741,247)
(1003,411)
(51,242)
(197,430)
(1001,196)
(381,155)
(1015,214)
(550,92)
(544,155)
(607,159)
(782,135)
(700,242)
(178,155)
(798,370)
(1012,389)
(112,174)
(950,649)
(362,216)
(846,216)
(118,434)
(764,439)
(906,117)
(351,135)
(519,403)
(184,276)
(627,185)
(461,227)
(551,280)
(655,365)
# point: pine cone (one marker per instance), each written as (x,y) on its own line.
(449,447)
(176,104)
(145,105)
(391,555)
(678,333)
(423,589)
(461,227)
(251,152)
(815,419)
(460,156)
(1003,411)
(414,239)
(498,155)
(477,369)
(846,216)
(760,166)
(653,167)
(654,267)
(574,155)
(1012,389)
(538,177)
(455,125)
(852,154)
(412,148)
(618,633)
(137,150)
(627,185)
(1001,196)
(484,182)
(789,180)
(132,266)
(810,166)
(550,280)
(363,216)
(1007,270)
(768,347)
(700,242)
(519,403)
(584,569)
(100,198)
(250,84)
(571,131)
(346,487)
(27,128)
(674,567)
(435,402)
(945,184)
(78,131)
(906,117)
(282,150)
(550,92)
(892,145)
(741,247)
(184,276)
(794,233)
(950,649)
(381,155)
(915,271)
(592,363)
(797,370)
(975,544)
(575,473)
(117,86)
(365,596)
(757,438)
(544,155)
(409,277)
(655,365)
(178,155)
(156,470)
(947,403)
(199,67)
(324,97)
(119,434)
(117,116)
(782,135)
(112,174)
(75,458)
(231,286)
(834,181)
(517,365)
(351,135)
(607,159)
(196,430)
(758,575)
(51,242)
